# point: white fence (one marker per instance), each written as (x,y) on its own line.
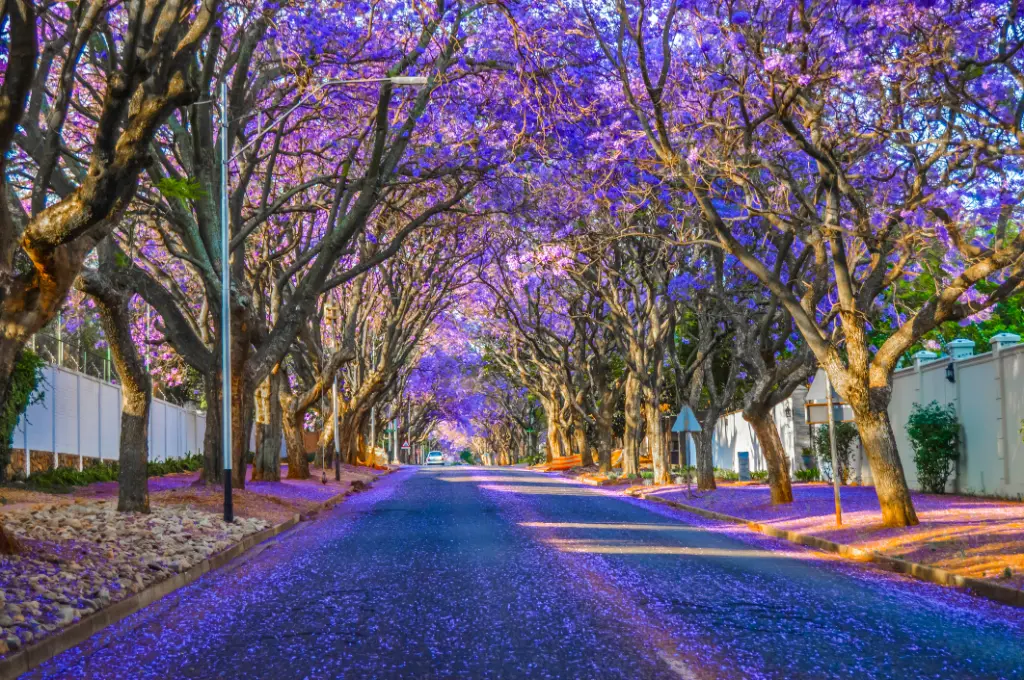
(81,416)
(987,392)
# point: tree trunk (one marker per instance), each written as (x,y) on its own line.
(659,456)
(554,440)
(136,398)
(767,434)
(706,459)
(267,462)
(605,435)
(298,466)
(347,441)
(366,453)
(632,434)
(241,419)
(579,433)
(326,441)
(213,458)
(890,482)
(132,475)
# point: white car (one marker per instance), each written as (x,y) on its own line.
(434,458)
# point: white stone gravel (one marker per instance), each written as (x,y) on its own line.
(81,557)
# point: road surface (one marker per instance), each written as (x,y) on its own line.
(476,573)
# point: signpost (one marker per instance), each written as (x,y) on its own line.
(686,424)
(821,406)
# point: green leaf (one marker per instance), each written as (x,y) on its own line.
(183,189)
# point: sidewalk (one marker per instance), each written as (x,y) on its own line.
(975,537)
(81,556)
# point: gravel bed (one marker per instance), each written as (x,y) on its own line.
(80,557)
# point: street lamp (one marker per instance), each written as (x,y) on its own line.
(225,253)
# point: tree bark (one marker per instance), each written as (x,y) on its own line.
(136,399)
(267,462)
(554,440)
(136,383)
(298,466)
(655,435)
(706,459)
(579,433)
(632,434)
(241,413)
(603,426)
(879,442)
(213,458)
(767,434)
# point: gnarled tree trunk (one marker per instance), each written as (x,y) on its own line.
(656,437)
(632,434)
(136,384)
(879,442)
(706,459)
(267,462)
(292,419)
(582,445)
(603,428)
(763,422)
(213,458)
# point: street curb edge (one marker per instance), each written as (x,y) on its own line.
(922,572)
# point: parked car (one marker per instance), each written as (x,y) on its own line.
(434,458)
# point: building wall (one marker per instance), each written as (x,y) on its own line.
(988,394)
(733,434)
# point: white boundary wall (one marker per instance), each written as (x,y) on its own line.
(988,394)
(81,416)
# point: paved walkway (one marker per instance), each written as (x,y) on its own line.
(473,573)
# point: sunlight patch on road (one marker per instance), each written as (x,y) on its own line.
(502,479)
(633,548)
(538,490)
(625,526)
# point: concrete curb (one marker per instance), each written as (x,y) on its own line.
(30,657)
(942,577)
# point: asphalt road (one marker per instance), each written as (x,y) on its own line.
(474,573)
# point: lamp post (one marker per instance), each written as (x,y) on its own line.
(225,253)
(225,304)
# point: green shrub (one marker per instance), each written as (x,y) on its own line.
(934,433)
(845,434)
(807,475)
(62,479)
(759,475)
(647,474)
(727,475)
(23,391)
(190,463)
